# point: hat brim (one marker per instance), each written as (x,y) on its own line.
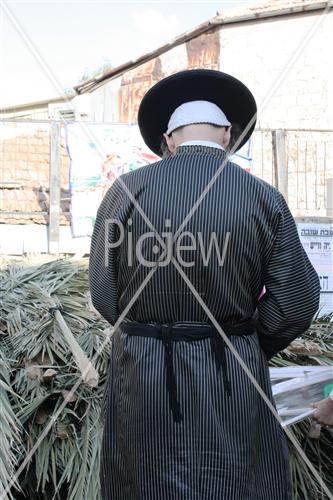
(230,94)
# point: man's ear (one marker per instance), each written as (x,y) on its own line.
(226,137)
(170,142)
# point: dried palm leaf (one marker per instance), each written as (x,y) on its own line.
(10,430)
(66,461)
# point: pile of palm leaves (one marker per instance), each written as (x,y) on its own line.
(37,372)
(50,435)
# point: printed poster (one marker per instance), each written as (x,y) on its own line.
(99,153)
(317,240)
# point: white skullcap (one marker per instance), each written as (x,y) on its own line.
(197,112)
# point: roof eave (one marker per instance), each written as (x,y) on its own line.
(36,104)
(94,83)
(209,26)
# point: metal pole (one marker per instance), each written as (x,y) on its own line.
(329,197)
(280,163)
(54,203)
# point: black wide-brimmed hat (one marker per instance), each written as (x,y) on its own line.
(228,93)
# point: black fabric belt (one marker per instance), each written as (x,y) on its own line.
(188,332)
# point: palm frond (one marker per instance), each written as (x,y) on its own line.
(38,370)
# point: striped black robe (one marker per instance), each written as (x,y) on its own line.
(225,448)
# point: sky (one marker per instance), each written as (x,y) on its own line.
(45,46)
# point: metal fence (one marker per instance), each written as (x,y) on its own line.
(309,156)
(299,163)
(34,171)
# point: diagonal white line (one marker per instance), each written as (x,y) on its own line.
(261,107)
(84,126)
(81,378)
(90,135)
(134,201)
(276,84)
(251,377)
(43,64)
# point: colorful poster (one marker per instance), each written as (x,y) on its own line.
(99,153)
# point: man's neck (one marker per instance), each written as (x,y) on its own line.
(202,142)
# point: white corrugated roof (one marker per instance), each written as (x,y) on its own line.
(263,6)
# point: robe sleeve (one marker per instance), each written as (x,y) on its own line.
(104,254)
(292,287)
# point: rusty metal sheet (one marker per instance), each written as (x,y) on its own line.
(204,51)
(134,85)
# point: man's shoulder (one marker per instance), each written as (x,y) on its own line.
(252,180)
(263,194)
(140,173)
(257,186)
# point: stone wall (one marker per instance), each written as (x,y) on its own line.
(285,62)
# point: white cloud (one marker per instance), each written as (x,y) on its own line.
(153,23)
(68,53)
(145,31)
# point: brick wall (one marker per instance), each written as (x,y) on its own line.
(24,173)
